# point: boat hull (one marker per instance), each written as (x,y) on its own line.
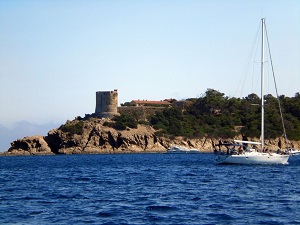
(295,152)
(250,159)
(182,150)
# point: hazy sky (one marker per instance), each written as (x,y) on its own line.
(54,55)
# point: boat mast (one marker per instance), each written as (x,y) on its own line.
(262,84)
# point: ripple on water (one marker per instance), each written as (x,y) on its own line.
(146,189)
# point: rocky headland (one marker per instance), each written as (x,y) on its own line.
(96,138)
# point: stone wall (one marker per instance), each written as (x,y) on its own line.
(139,112)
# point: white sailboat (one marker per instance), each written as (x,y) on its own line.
(252,156)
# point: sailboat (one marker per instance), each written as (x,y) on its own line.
(235,153)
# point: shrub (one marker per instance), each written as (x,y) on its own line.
(123,121)
(76,128)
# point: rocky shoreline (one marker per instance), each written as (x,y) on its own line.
(96,138)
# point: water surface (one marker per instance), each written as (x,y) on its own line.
(146,189)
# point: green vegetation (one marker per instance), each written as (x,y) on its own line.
(216,115)
(129,104)
(76,128)
(122,121)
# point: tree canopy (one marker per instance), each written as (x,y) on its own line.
(217,115)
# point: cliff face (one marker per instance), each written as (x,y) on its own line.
(97,138)
(94,137)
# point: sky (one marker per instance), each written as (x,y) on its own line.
(55,54)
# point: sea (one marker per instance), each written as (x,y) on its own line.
(146,189)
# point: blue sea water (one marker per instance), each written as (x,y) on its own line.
(146,189)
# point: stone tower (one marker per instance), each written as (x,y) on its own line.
(106,103)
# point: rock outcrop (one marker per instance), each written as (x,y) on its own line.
(93,137)
(33,145)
